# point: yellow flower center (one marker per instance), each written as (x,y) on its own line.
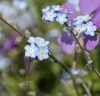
(50,15)
(79,30)
(41,43)
(70,27)
(41,53)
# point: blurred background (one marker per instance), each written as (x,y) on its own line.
(46,77)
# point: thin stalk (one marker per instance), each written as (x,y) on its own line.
(27,75)
(78,43)
(28,70)
(74,61)
(67,69)
(12,27)
(96,71)
(85,87)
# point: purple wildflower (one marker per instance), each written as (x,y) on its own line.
(87,7)
(9,44)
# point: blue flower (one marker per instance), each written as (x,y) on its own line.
(56,7)
(65,76)
(75,72)
(78,20)
(86,18)
(50,15)
(39,48)
(46,9)
(42,53)
(30,50)
(31,40)
(79,28)
(61,18)
(90,29)
(40,42)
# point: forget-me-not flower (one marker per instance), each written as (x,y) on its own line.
(40,42)
(46,9)
(79,28)
(31,40)
(39,48)
(30,50)
(42,53)
(75,72)
(86,18)
(56,7)
(78,20)
(50,15)
(61,18)
(65,76)
(90,29)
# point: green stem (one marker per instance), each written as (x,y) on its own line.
(67,69)
(85,87)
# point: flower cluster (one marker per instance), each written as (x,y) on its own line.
(83,24)
(38,48)
(53,12)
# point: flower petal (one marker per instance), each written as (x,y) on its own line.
(70,8)
(96,18)
(27,47)
(88,6)
(31,40)
(66,41)
(46,50)
(33,55)
(33,45)
(46,43)
(27,54)
(46,56)
(91,42)
(40,58)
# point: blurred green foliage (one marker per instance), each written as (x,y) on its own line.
(45,76)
